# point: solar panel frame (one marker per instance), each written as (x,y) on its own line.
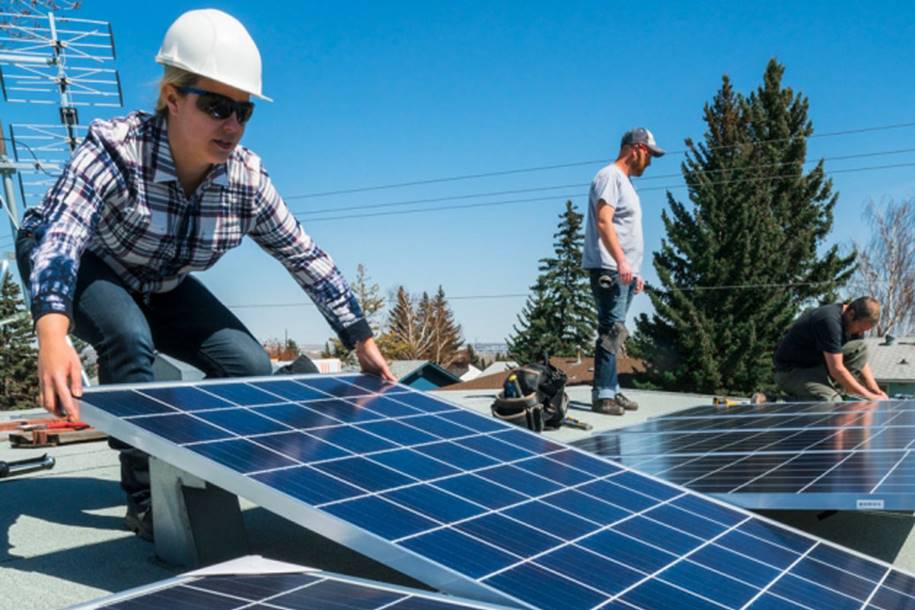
(205,582)
(295,510)
(518,582)
(803,456)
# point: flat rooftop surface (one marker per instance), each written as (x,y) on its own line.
(62,540)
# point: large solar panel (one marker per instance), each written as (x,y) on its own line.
(476,508)
(252,583)
(789,455)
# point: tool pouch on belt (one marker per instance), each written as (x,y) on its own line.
(525,411)
(533,395)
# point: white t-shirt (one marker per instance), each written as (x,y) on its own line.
(614,188)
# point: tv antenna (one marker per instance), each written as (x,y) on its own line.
(46,59)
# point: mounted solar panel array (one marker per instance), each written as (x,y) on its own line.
(793,455)
(476,508)
(237,586)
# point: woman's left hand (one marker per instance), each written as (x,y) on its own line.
(371,361)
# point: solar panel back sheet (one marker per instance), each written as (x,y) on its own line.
(479,509)
(855,455)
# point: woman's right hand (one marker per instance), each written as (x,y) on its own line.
(59,369)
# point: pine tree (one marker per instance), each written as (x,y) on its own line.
(536,333)
(559,317)
(369,296)
(18,356)
(755,220)
(445,337)
(408,333)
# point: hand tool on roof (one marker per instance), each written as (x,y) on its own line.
(54,425)
(11,469)
(571,422)
(758,398)
(53,432)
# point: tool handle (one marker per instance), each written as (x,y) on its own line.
(11,469)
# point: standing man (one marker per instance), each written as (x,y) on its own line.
(823,353)
(613,254)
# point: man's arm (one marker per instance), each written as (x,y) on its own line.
(611,242)
(867,376)
(843,376)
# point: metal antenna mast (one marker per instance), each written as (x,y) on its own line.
(47,59)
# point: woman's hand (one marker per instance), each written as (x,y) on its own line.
(371,361)
(59,369)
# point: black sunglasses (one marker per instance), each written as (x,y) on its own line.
(218,106)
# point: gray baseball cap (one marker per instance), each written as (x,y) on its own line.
(640,135)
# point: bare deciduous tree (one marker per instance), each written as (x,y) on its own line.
(886,264)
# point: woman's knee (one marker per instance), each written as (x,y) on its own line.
(254,362)
(235,353)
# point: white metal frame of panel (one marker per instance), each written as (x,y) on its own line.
(257,565)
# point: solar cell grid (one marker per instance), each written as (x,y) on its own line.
(805,455)
(309,589)
(465,514)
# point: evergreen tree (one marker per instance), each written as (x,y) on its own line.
(369,296)
(445,339)
(18,355)
(559,317)
(756,220)
(407,336)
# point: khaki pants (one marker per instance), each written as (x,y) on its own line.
(814,383)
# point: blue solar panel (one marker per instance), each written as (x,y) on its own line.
(288,587)
(479,508)
(790,455)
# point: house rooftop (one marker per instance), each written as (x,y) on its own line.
(892,361)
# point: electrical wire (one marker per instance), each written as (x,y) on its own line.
(570,196)
(539,168)
(578,184)
(517,295)
(38,162)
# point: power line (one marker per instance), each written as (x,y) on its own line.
(516,295)
(539,168)
(578,184)
(568,196)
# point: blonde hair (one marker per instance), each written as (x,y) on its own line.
(177,78)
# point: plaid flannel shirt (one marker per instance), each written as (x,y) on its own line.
(119,197)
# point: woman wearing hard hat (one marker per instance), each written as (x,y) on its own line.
(145,200)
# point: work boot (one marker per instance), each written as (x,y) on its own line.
(139,519)
(626,403)
(607,406)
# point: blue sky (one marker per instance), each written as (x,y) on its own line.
(370,93)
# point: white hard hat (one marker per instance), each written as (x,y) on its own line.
(216,45)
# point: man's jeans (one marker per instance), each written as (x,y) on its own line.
(612,305)
(126,330)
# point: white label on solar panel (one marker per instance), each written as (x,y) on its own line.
(870,504)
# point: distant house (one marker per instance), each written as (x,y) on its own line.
(892,362)
(422,374)
(472,372)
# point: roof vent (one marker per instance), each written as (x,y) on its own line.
(889,340)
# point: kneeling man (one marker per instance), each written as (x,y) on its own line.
(823,356)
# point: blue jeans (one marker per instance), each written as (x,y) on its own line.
(126,330)
(612,305)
